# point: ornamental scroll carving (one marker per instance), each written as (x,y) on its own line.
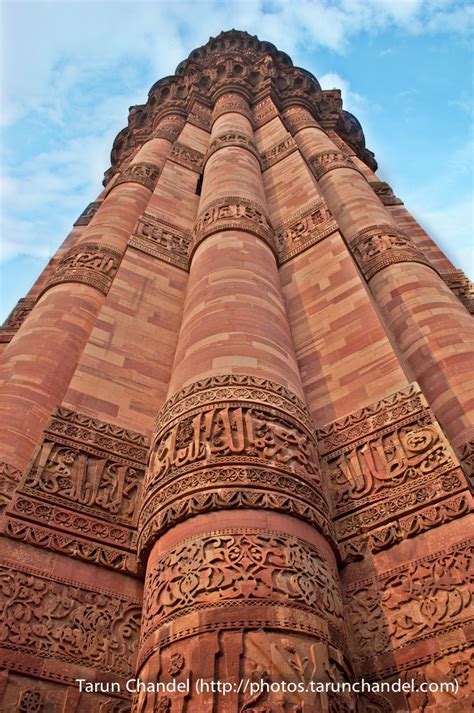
(379,246)
(200,115)
(162,239)
(144,173)
(232,138)
(232,213)
(278,152)
(54,618)
(15,319)
(93,264)
(186,156)
(385,192)
(228,447)
(88,213)
(421,598)
(253,568)
(303,229)
(80,495)
(327,161)
(9,479)
(462,287)
(389,462)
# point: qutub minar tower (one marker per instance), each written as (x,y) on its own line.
(235,410)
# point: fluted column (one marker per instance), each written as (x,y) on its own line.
(38,364)
(241,578)
(432,328)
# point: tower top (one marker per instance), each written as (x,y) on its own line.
(236,62)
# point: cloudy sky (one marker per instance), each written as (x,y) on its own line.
(70,70)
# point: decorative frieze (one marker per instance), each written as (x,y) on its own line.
(278,152)
(263,112)
(9,479)
(390,462)
(297,118)
(15,319)
(251,568)
(146,174)
(232,213)
(186,156)
(220,446)
(327,161)
(379,246)
(80,495)
(462,287)
(163,240)
(87,214)
(384,191)
(49,617)
(93,264)
(200,115)
(232,103)
(232,138)
(303,229)
(402,606)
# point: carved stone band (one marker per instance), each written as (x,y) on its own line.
(232,104)
(232,138)
(232,213)
(87,214)
(162,239)
(92,264)
(186,156)
(379,246)
(144,173)
(230,569)
(385,192)
(15,319)
(303,229)
(278,152)
(459,283)
(297,119)
(231,447)
(329,160)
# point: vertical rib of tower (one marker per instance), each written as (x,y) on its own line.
(235,526)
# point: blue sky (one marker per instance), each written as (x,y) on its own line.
(70,70)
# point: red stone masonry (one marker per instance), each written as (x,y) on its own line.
(236,420)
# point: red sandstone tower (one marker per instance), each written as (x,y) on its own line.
(236,416)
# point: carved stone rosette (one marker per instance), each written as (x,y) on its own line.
(15,319)
(392,474)
(230,443)
(80,495)
(326,161)
(303,229)
(379,246)
(92,264)
(232,213)
(164,240)
(146,174)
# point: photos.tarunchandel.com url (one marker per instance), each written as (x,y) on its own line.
(253,687)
